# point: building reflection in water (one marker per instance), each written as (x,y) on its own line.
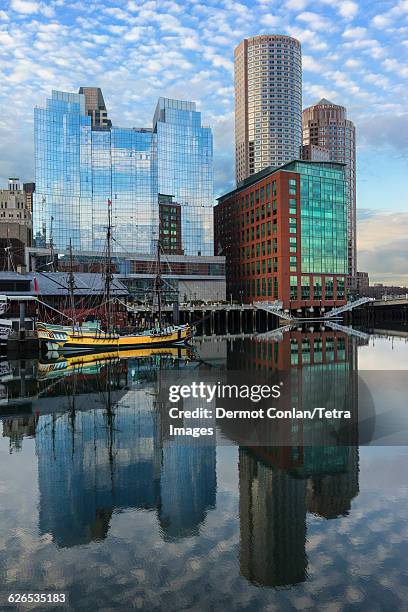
(272,511)
(92,463)
(18,428)
(279,485)
(106,449)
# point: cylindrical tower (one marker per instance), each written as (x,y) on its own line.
(268,103)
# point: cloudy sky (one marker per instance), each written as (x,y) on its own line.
(354,53)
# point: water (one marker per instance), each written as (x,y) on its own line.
(98,501)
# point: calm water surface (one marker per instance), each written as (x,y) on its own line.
(98,501)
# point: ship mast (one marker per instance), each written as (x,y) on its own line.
(158,285)
(108,269)
(71,284)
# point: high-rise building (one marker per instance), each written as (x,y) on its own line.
(283,232)
(183,161)
(95,106)
(326,125)
(79,168)
(268,103)
(82,161)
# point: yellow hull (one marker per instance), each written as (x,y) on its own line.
(68,365)
(99,341)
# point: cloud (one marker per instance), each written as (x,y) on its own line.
(25,6)
(353,63)
(393,65)
(296,5)
(385,131)
(315,21)
(315,92)
(384,20)
(382,246)
(270,20)
(308,37)
(358,32)
(309,63)
(348,10)
(134,34)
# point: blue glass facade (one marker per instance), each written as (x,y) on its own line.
(184,169)
(79,167)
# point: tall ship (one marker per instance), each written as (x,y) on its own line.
(96,337)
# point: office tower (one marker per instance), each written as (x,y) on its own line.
(284,234)
(95,106)
(82,162)
(79,169)
(268,103)
(184,169)
(326,125)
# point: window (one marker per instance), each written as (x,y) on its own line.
(317,288)
(340,288)
(293,288)
(305,288)
(328,283)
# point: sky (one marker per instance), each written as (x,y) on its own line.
(354,54)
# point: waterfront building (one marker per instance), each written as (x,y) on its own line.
(185,277)
(284,234)
(15,211)
(326,125)
(53,287)
(82,161)
(183,167)
(268,103)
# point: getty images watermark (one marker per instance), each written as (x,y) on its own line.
(211,393)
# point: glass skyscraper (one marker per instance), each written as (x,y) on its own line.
(80,166)
(184,169)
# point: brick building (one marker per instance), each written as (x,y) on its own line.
(283,232)
(170,225)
